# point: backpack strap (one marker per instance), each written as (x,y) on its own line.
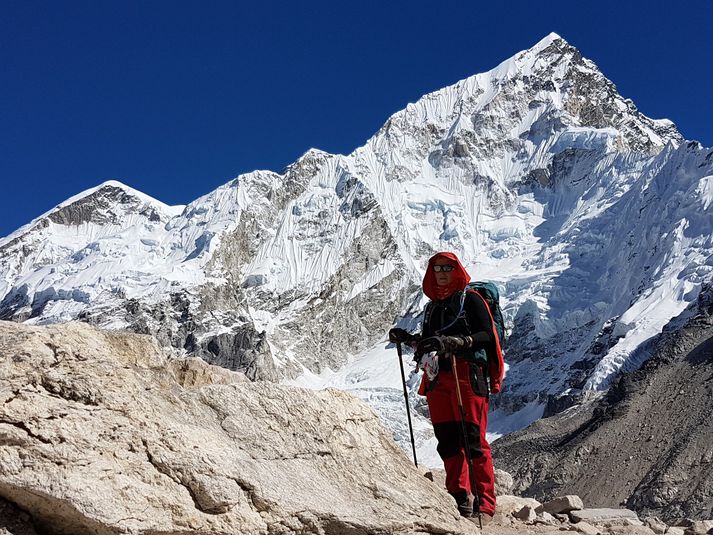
(461,313)
(496,366)
(428,313)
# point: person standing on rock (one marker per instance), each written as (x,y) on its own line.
(457,322)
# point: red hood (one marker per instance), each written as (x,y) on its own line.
(458,283)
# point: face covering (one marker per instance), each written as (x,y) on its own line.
(459,278)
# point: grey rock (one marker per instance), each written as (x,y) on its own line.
(526,514)
(242,350)
(509,504)
(546,518)
(601,515)
(562,504)
(656,525)
(699,527)
(503,482)
(587,529)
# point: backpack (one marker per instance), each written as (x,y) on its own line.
(496,365)
(489,292)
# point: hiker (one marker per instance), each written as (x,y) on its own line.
(468,333)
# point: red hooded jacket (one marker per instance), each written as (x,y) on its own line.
(459,280)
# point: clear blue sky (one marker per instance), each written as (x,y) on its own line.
(176,98)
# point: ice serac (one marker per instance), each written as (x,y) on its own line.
(593,219)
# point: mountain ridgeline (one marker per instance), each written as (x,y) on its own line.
(594,220)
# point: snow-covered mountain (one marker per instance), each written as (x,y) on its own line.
(594,220)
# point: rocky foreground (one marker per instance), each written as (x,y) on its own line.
(567,514)
(101,433)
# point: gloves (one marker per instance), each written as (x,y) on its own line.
(443,344)
(398,335)
(455,343)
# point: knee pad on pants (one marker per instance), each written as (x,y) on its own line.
(450,440)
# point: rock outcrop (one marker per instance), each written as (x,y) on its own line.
(101,433)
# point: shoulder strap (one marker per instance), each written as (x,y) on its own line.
(427,313)
(461,312)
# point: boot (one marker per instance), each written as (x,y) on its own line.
(464,501)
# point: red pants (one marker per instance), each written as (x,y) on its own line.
(445,416)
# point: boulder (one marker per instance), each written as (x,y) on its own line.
(656,525)
(699,527)
(562,504)
(503,482)
(526,514)
(101,432)
(547,518)
(587,529)
(508,504)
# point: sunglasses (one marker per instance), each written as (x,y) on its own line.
(446,268)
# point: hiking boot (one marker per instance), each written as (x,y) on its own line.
(486,518)
(465,510)
(464,502)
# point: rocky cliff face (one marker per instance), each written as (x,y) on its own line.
(646,443)
(101,433)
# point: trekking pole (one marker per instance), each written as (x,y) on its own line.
(468,456)
(408,409)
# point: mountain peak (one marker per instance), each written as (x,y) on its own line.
(545,56)
(308,163)
(547,41)
(98,205)
(545,89)
(115,188)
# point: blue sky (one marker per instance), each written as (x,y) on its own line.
(176,98)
